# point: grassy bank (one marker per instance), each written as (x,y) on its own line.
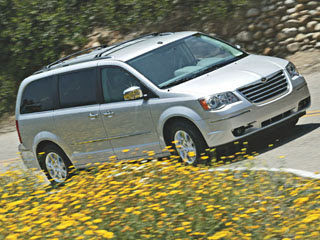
(161,200)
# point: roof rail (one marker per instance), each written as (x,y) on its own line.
(99,55)
(72,55)
(121,43)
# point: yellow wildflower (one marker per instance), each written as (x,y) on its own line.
(99,220)
(65,225)
(12,237)
(105,234)
(178,229)
(311,218)
(89,232)
(218,235)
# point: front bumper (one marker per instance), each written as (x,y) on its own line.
(252,118)
(28,158)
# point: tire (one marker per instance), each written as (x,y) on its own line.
(188,142)
(55,164)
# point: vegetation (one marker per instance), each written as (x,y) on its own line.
(160,200)
(153,200)
(35,33)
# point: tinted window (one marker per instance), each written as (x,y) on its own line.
(38,96)
(77,88)
(114,81)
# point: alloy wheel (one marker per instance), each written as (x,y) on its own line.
(56,167)
(185,147)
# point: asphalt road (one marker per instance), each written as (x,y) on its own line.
(295,148)
(298,147)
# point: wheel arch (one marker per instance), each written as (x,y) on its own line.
(41,145)
(178,113)
(169,122)
(44,139)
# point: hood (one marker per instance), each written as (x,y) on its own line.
(230,77)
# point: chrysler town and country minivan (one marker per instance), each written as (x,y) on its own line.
(184,89)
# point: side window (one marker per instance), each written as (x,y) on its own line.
(78,88)
(114,81)
(38,96)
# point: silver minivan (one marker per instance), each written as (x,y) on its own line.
(131,100)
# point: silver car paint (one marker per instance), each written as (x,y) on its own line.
(138,125)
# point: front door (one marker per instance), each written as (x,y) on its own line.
(128,124)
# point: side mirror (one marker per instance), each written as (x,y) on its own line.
(132,93)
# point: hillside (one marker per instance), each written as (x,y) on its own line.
(35,33)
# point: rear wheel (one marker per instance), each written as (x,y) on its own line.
(56,164)
(188,142)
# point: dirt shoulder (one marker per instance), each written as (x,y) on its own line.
(7,124)
(306,62)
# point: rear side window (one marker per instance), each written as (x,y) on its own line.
(78,88)
(38,96)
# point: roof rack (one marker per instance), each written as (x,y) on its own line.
(121,43)
(99,55)
(73,54)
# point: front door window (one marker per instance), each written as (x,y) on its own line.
(114,81)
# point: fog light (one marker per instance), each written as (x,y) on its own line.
(239,131)
(304,103)
(242,130)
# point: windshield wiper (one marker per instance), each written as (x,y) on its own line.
(219,65)
(193,75)
(202,71)
(181,80)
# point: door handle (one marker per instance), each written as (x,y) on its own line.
(108,114)
(93,115)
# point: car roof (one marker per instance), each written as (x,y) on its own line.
(148,44)
(123,51)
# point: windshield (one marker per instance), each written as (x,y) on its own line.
(185,59)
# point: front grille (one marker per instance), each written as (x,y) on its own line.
(274,85)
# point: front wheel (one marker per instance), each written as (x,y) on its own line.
(188,142)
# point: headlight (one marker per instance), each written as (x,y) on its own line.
(218,101)
(292,70)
